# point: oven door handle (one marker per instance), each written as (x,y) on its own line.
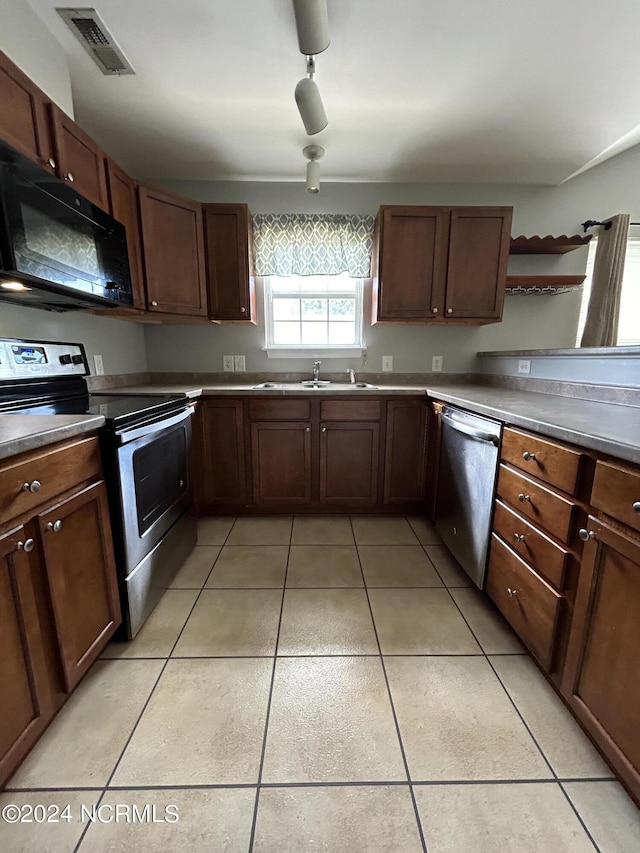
(127,435)
(469,430)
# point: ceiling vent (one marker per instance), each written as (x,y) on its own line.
(89,29)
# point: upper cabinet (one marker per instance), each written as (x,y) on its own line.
(229,260)
(436,264)
(123,206)
(80,161)
(173,253)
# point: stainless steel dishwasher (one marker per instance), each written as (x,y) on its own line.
(466,482)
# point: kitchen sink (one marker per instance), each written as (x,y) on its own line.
(320,385)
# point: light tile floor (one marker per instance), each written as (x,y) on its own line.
(309,684)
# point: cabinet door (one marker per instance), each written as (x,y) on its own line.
(123,205)
(478,253)
(602,678)
(222,469)
(80,161)
(349,462)
(412,262)
(404,451)
(24,116)
(281,454)
(25,703)
(229,262)
(80,568)
(173,252)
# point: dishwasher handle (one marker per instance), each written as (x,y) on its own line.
(478,434)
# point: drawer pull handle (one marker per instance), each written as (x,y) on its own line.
(636,506)
(519,537)
(513,593)
(527,456)
(585,534)
(523,498)
(55,526)
(27,545)
(32,487)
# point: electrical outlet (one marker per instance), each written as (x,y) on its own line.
(227,363)
(239,364)
(387,363)
(524,365)
(98,365)
(436,363)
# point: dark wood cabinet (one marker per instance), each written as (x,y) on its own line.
(26,704)
(25,121)
(80,161)
(123,205)
(80,567)
(440,264)
(601,680)
(281,462)
(349,454)
(404,464)
(173,253)
(229,262)
(221,472)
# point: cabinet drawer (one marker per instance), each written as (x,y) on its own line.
(350,410)
(279,410)
(616,491)
(527,602)
(547,558)
(536,502)
(55,471)
(551,462)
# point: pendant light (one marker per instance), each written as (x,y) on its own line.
(313,153)
(309,101)
(312,23)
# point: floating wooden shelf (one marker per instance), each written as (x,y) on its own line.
(542,283)
(547,245)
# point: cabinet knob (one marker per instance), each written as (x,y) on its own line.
(324,429)
(522,498)
(527,456)
(55,526)
(51,162)
(27,545)
(243,310)
(585,534)
(635,506)
(513,593)
(34,486)
(449,310)
(69,177)
(519,537)
(308,429)
(434,310)
(154,303)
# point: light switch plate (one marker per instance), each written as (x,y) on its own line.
(436,363)
(227,363)
(387,363)
(524,365)
(98,365)
(239,363)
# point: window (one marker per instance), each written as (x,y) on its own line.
(320,313)
(629,323)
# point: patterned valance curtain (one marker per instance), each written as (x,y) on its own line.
(312,244)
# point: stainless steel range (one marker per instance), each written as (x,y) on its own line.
(146,455)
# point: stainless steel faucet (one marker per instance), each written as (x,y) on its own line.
(316,370)
(352,376)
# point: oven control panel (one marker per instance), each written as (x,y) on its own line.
(20,359)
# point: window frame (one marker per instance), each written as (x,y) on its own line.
(274,350)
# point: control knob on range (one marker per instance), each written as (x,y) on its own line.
(77,359)
(65,358)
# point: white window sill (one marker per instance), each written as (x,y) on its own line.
(312,352)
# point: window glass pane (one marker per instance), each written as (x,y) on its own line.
(314,333)
(342,309)
(278,284)
(314,283)
(314,309)
(286,309)
(342,333)
(286,333)
(629,323)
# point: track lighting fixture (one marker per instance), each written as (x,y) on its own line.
(312,23)
(309,101)
(313,153)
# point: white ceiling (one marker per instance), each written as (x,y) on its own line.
(415,90)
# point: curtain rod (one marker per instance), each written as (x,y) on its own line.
(590,223)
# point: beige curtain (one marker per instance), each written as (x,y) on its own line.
(601,325)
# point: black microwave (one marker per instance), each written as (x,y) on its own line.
(58,251)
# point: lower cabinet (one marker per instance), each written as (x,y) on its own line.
(281,463)
(221,472)
(349,463)
(404,464)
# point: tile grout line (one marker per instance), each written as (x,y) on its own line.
(393,710)
(105,788)
(270,696)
